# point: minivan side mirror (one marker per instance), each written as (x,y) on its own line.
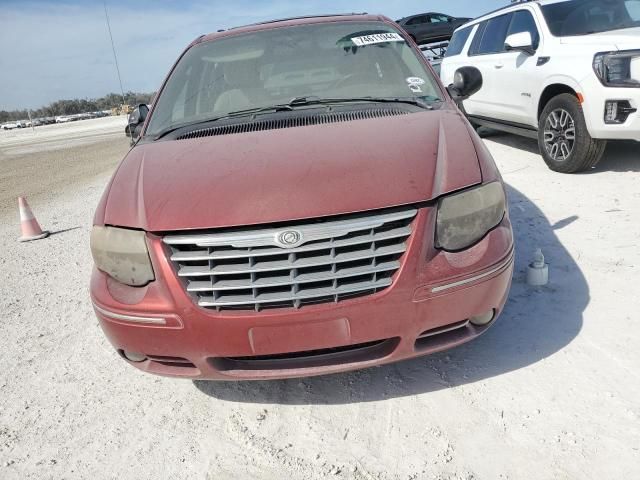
(521,42)
(136,120)
(466,82)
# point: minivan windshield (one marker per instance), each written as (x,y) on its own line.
(584,17)
(332,60)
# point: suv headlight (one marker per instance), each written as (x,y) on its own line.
(122,254)
(618,69)
(465,218)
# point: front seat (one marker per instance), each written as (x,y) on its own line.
(245,87)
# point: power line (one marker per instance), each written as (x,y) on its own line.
(113,47)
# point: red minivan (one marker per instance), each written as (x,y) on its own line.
(304,198)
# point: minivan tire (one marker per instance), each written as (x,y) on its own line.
(558,115)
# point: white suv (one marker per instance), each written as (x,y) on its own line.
(566,72)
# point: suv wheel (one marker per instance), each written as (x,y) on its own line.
(564,140)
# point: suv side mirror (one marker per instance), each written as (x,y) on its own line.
(136,120)
(521,42)
(466,82)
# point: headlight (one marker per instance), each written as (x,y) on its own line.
(122,254)
(618,69)
(465,218)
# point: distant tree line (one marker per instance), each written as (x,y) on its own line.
(78,105)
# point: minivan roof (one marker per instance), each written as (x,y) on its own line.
(301,17)
(287,22)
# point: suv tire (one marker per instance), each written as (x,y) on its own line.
(563,137)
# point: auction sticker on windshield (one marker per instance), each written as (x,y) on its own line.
(377,38)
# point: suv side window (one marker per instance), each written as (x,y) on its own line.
(494,35)
(475,43)
(458,42)
(523,22)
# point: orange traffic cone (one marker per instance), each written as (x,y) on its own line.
(28,224)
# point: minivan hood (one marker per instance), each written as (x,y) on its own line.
(292,173)
(624,39)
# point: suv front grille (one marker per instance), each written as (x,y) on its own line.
(290,266)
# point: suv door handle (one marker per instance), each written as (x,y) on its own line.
(499,65)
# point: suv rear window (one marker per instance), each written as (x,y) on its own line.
(458,42)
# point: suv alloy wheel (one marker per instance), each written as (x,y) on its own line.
(565,143)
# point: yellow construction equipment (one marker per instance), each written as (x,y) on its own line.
(124,109)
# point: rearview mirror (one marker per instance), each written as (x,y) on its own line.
(520,42)
(466,82)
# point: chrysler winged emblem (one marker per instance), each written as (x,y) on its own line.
(289,238)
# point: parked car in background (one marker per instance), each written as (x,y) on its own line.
(10,126)
(566,73)
(321,206)
(430,27)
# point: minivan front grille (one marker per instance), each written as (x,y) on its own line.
(290,266)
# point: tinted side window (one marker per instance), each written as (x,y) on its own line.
(494,35)
(523,22)
(458,42)
(475,43)
(418,20)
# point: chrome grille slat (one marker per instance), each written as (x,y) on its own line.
(329,260)
(313,231)
(192,256)
(286,280)
(209,301)
(261,267)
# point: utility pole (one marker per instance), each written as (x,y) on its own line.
(113,47)
(33,129)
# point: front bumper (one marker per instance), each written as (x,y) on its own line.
(425,310)
(595,97)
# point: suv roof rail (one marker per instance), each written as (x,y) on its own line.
(512,4)
(302,17)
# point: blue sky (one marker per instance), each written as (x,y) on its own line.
(51,50)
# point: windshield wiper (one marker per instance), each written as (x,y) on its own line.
(315,100)
(300,102)
(238,113)
(173,128)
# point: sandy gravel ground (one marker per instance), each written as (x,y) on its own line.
(551,392)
